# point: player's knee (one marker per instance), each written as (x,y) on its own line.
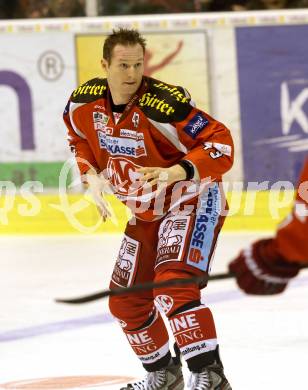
(128,312)
(175,299)
(120,307)
(114,306)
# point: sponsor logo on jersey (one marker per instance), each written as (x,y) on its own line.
(203,234)
(172,235)
(222,148)
(100,117)
(99,126)
(196,125)
(135,119)
(195,252)
(108,130)
(131,134)
(143,345)
(100,120)
(150,100)
(139,338)
(117,146)
(89,90)
(125,267)
(188,334)
(183,322)
(173,92)
(165,302)
(122,323)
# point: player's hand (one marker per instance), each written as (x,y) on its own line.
(258,270)
(98,186)
(161,176)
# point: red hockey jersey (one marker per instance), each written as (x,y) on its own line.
(159,127)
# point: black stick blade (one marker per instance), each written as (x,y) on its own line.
(141,287)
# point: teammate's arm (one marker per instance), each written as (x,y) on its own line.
(267,266)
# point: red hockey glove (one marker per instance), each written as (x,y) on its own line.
(259,270)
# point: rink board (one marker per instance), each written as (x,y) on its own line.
(77,214)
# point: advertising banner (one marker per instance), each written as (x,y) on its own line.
(273,89)
(37,75)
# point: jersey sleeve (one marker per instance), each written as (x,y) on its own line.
(208,143)
(77,140)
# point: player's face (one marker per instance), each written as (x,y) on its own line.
(125,71)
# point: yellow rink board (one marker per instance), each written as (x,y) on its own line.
(47,214)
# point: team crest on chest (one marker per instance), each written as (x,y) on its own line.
(123,176)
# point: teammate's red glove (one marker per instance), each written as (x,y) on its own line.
(259,270)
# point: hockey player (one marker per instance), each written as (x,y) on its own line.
(267,265)
(133,132)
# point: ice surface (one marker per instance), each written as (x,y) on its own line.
(263,340)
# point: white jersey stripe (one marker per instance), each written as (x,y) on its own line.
(73,107)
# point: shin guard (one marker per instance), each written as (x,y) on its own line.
(151,344)
(195,335)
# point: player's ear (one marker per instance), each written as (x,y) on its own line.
(104,64)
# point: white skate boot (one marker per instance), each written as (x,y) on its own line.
(210,378)
(169,378)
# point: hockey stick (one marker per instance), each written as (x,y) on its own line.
(142,287)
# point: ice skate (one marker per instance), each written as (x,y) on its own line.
(210,378)
(169,378)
